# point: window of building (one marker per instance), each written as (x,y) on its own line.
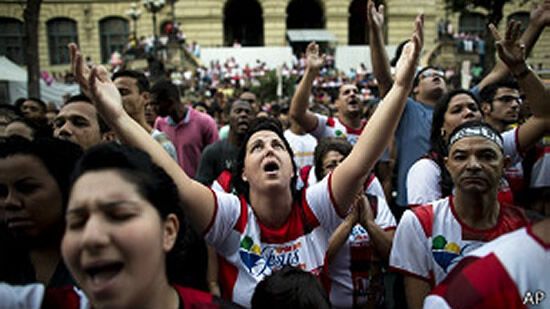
(114,33)
(523,17)
(305,14)
(358,31)
(61,31)
(243,23)
(473,23)
(12,37)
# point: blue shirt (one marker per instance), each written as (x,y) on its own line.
(412,140)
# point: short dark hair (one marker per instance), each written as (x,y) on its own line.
(165,90)
(141,80)
(78,98)
(419,73)
(325,145)
(40,127)
(261,124)
(103,127)
(290,287)
(151,181)
(58,156)
(19,102)
(487,94)
(229,105)
(398,52)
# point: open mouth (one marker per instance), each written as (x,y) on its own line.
(103,272)
(271,167)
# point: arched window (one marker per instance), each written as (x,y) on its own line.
(305,14)
(61,31)
(474,23)
(358,32)
(12,37)
(243,23)
(523,17)
(114,36)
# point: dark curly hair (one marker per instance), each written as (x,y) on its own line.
(325,145)
(260,124)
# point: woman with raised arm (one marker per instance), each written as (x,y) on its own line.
(268,226)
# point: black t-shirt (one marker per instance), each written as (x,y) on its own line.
(216,158)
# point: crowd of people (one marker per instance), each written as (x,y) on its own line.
(370,190)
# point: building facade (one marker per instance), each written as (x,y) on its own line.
(102,26)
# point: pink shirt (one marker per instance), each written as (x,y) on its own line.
(190,136)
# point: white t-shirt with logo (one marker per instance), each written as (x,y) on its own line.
(252,251)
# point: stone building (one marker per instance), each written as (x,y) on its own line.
(102,26)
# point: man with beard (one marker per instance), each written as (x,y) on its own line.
(134,90)
(349,122)
(220,155)
(432,238)
(189,130)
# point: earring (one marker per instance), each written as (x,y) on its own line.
(443,132)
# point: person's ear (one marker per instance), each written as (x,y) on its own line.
(415,90)
(485,108)
(170,233)
(446,162)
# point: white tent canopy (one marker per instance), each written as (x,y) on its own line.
(16,77)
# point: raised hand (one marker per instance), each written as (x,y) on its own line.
(540,14)
(314,60)
(406,65)
(510,48)
(105,95)
(79,69)
(375,17)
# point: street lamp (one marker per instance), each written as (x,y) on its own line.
(154,6)
(134,13)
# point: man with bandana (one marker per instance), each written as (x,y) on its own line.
(431,239)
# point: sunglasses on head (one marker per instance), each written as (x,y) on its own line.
(432,73)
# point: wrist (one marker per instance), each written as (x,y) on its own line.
(311,71)
(521,71)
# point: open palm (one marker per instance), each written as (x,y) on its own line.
(510,48)
(375,17)
(314,60)
(406,66)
